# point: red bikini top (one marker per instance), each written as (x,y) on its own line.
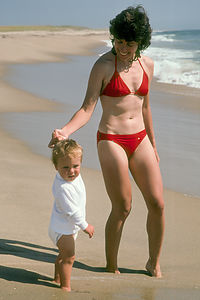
(117,87)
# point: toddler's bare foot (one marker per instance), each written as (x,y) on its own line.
(153,270)
(112,270)
(56,280)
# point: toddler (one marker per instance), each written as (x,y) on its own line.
(68,213)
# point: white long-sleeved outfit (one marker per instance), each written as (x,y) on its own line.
(68,213)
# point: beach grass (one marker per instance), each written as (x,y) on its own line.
(40,28)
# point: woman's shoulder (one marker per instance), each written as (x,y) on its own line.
(147,63)
(104,62)
(105,59)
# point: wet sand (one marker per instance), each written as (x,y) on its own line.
(27,254)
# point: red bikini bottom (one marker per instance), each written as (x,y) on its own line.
(129,142)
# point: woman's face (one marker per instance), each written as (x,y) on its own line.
(125,50)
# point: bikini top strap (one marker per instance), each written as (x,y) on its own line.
(115,63)
(141,65)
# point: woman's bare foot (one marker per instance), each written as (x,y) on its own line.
(153,270)
(66,289)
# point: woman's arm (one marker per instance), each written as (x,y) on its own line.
(146,111)
(83,115)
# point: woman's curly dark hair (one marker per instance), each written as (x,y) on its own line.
(132,24)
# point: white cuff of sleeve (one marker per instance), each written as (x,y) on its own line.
(83,225)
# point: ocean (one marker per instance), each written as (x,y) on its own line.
(176,56)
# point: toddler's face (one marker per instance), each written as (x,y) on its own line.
(69,167)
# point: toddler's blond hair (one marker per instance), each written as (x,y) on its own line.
(66,148)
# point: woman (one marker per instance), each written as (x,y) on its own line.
(121,78)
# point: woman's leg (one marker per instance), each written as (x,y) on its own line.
(146,172)
(114,164)
(66,246)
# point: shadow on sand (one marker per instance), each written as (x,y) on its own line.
(40,253)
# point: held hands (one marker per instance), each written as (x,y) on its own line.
(57,135)
(89,230)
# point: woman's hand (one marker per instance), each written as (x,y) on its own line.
(157,156)
(57,135)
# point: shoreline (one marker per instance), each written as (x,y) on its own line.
(27,254)
(182,92)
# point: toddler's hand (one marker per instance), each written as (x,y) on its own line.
(89,230)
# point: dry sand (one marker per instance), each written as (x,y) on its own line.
(27,254)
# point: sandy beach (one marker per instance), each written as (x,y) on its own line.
(27,254)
